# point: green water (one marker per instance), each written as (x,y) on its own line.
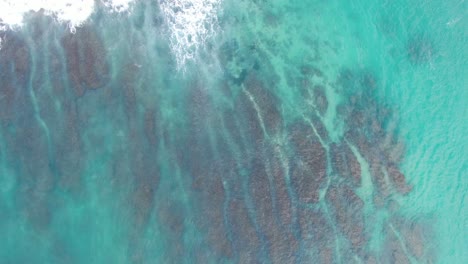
(112,152)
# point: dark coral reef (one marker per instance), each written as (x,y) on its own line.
(254,184)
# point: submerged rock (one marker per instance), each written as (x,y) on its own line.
(320,99)
(345,163)
(87,64)
(420,49)
(245,238)
(267,103)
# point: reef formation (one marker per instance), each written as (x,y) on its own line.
(219,176)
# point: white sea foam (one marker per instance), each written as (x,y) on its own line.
(118,5)
(190,24)
(73,12)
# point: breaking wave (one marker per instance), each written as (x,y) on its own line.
(190,24)
(72,12)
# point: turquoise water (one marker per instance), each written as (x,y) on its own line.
(299,132)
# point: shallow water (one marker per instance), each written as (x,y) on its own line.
(237,132)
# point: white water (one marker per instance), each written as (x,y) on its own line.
(74,12)
(189,22)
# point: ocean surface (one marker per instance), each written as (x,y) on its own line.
(234,131)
